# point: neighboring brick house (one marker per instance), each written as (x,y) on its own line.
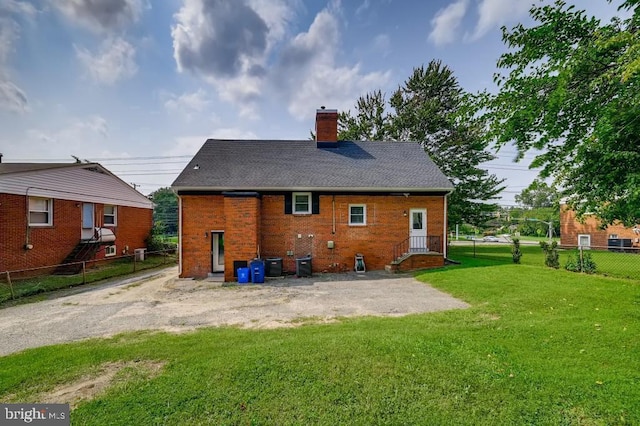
(52,213)
(242,199)
(587,233)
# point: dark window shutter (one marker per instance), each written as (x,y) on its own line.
(288,203)
(315,203)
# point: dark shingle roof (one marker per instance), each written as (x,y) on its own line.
(229,165)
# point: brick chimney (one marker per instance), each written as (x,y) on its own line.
(326,128)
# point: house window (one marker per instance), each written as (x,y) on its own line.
(357,214)
(584,241)
(301,203)
(110,215)
(40,211)
(110,251)
(613,236)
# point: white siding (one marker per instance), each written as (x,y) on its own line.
(77,184)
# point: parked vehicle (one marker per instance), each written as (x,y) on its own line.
(491,239)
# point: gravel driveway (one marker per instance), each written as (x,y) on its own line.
(162,301)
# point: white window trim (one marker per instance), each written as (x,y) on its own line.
(364,213)
(293,202)
(115,215)
(110,251)
(49,211)
(584,246)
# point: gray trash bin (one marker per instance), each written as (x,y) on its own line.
(303,266)
(273,267)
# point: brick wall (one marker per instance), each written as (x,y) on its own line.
(303,234)
(252,224)
(241,232)
(200,216)
(570,228)
(51,244)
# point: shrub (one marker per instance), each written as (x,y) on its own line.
(551,258)
(578,263)
(516,254)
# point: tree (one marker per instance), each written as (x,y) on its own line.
(571,88)
(538,194)
(165,210)
(432,109)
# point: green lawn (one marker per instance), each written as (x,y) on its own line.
(621,265)
(538,346)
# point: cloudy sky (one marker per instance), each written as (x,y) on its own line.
(138,85)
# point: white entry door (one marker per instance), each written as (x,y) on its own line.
(217,251)
(418,230)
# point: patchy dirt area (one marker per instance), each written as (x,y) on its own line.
(91,385)
(162,301)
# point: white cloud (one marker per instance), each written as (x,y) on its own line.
(495,13)
(309,77)
(9,33)
(189,145)
(446,22)
(277,14)
(18,7)
(382,44)
(186,145)
(115,61)
(230,57)
(12,98)
(218,39)
(101,15)
(187,104)
(196,101)
(233,133)
(84,137)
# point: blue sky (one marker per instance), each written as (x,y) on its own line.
(138,85)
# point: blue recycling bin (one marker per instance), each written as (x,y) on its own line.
(257,271)
(243,275)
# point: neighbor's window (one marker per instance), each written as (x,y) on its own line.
(584,240)
(40,211)
(613,236)
(110,251)
(302,203)
(110,215)
(357,214)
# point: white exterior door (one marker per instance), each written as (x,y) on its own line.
(88,222)
(217,251)
(418,230)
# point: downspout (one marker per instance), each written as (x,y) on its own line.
(28,228)
(333,219)
(179,235)
(444,231)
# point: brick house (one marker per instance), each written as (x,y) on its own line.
(588,233)
(52,213)
(330,199)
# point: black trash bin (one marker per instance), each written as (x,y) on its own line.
(257,271)
(303,266)
(273,267)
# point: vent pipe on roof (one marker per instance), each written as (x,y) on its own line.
(326,128)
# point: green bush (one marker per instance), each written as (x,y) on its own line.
(551,258)
(516,254)
(585,264)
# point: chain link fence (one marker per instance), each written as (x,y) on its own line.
(610,261)
(27,282)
